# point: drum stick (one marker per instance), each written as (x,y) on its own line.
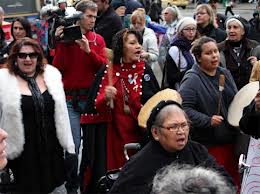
(110,81)
(221,84)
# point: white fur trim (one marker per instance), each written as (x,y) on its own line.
(11,116)
(52,78)
(10,113)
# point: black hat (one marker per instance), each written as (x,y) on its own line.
(241,21)
(117,3)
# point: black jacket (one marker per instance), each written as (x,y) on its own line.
(137,175)
(254,32)
(250,122)
(3,46)
(107,25)
(239,67)
(200,94)
(212,32)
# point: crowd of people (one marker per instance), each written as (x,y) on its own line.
(133,76)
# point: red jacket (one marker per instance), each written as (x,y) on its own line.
(77,67)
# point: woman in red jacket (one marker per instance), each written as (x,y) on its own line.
(108,129)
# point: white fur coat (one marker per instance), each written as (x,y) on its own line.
(11,115)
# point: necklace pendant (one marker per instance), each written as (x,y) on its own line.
(126,109)
(135,88)
(130,78)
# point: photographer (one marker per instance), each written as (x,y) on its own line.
(78,62)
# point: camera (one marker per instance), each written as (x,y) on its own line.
(71,31)
(69,20)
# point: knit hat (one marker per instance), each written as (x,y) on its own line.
(241,22)
(185,21)
(117,3)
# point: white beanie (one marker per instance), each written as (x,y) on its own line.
(234,20)
(185,21)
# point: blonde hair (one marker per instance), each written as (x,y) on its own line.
(175,11)
(138,15)
(209,11)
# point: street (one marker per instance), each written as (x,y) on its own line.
(244,9)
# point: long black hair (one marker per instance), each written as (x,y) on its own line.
(119,40)
(26,25)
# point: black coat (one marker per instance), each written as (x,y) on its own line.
(212,32)
(239,67)
(254,32)
(3,46)
(137,175)
(200,94)
(250,122)
(107,25)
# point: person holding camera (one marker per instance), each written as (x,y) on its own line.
(78,62)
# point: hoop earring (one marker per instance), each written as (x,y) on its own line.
(121,61)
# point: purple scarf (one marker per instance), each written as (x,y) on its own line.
(184,45)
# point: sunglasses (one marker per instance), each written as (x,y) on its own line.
(31,55)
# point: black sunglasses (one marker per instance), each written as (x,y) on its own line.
(31,55)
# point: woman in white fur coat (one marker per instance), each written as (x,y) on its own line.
(33,112)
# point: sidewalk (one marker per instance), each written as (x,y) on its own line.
(243,6)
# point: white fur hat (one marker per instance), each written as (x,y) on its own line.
(185,21)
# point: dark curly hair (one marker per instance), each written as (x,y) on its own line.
(41,60)
(26,25)
(118,43)
(197,46)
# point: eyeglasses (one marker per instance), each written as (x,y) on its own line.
(190,29)
(31,55)
(201,13)
(176,126)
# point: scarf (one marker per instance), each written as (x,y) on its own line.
(206,30)
(38,102)
(184,45)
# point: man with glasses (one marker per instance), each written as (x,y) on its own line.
(168,128)
(78,62)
